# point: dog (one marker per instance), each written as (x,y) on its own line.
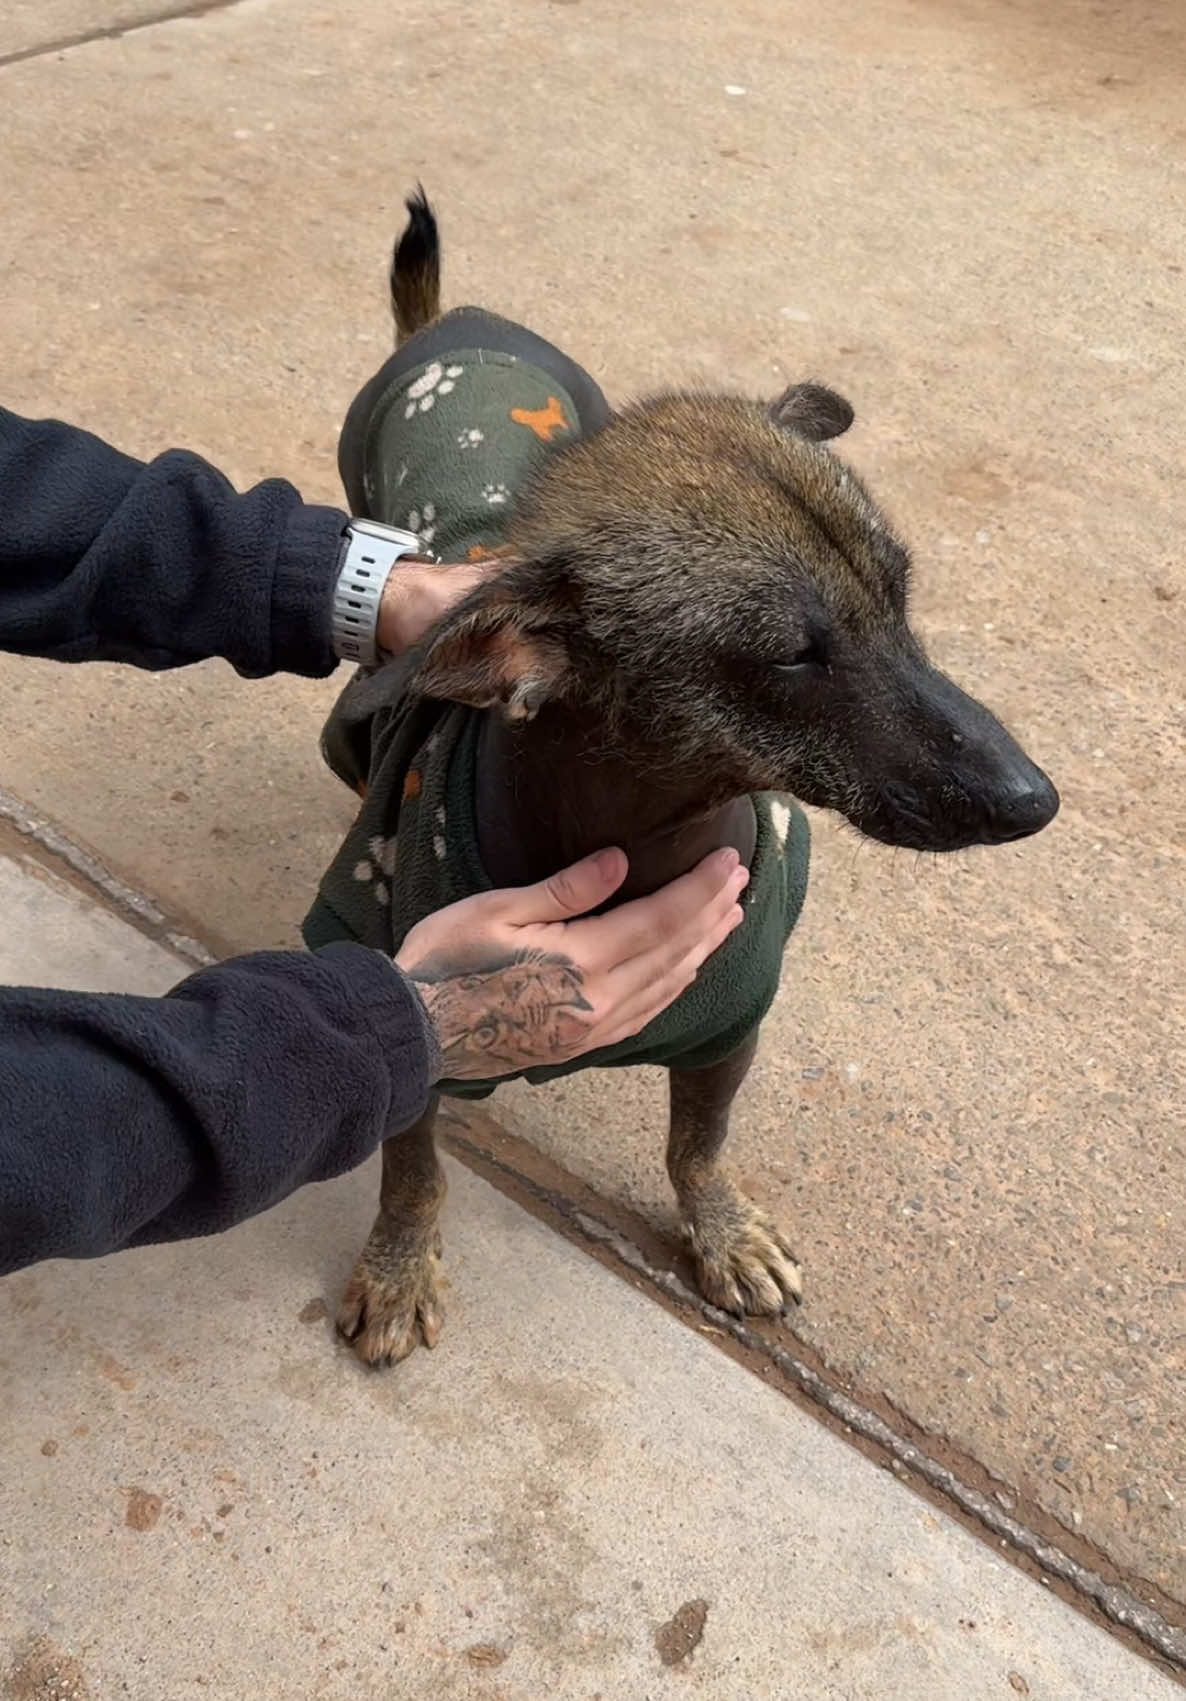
(701,623)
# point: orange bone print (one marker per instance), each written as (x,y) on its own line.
(497,552)
(545,422)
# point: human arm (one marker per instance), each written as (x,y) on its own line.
(106,558)
(135,1120)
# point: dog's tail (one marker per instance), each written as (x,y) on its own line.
(416,270)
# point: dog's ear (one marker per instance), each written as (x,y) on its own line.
(811,411)
(505,646)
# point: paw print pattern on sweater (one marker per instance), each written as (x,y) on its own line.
(436,380)
(372,869)
(422,521)
(495,495)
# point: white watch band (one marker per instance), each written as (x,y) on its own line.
(369,554)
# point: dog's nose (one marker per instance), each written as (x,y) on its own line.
(1025,806)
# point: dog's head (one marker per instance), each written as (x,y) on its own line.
(715,588)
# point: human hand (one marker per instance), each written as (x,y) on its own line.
(419,593)
(512,979)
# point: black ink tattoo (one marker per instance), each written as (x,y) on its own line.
(497,1014)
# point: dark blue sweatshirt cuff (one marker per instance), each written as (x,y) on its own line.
(388,1003)
(303,583)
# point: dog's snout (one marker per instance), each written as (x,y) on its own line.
(1027,804)
(1024,804)
(957,777)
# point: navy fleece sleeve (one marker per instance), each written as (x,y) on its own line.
(130,1120)
(103,558)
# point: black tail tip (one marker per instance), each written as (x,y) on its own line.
(421,218)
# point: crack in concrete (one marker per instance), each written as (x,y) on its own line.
(112,32)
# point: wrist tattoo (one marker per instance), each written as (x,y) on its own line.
(496,1014)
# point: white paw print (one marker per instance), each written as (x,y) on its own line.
(495,495)
(422,521)
(383,854)
(436,380)
(381,861)
(780,818)
(471,438)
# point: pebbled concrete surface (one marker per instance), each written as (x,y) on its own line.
(969,216)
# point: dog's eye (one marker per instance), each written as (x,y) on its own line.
(809,657)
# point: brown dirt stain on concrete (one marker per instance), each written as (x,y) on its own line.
(144,1509)
(41,1671)
(678,1639)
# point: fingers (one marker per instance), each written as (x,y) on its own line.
(676,915)
(672,920)
(650,935)
(648,997)
(551,903)
(572,892)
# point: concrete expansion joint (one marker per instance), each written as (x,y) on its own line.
(133,906)
(112,32)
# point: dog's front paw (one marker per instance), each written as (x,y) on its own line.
(744,1263)
(392,1302)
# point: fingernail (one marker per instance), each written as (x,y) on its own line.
(608,862)
(741,879)
(727,859)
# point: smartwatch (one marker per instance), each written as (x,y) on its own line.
(369,552)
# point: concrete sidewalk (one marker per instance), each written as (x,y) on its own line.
(574,1496)
(967,215)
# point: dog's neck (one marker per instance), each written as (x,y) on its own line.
(548,794)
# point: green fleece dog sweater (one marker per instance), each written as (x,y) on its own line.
(448,444)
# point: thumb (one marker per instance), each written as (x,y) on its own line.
(570,893)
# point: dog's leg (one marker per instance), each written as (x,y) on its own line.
(743,1262)
(392,1302)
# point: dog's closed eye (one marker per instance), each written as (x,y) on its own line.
(810,658)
